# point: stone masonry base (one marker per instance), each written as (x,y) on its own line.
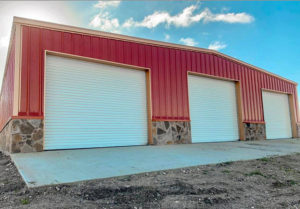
(254,131)
(171,132)
(175,132)
(26,135)
(298,130)
(22,135)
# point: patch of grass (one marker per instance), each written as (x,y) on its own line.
(265,159)
(226,171)
(255,173)
(24,201)
(225,163)
(287,169)
(279,184)
(291,182)
(205,172)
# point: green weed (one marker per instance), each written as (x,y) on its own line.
(291,182)
(205,172)
(226,171)
(25,201)
(255,173)
(265,159)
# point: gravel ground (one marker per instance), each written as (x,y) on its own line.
(264,183)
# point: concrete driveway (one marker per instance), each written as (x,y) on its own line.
(65,166)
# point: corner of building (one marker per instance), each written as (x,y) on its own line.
(22,135)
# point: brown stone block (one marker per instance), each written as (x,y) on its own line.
(15,125)
(38,147)
(26,127)
(16,138)
(37,134)
(298,130)
(15,148)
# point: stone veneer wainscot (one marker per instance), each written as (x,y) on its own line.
(254,131)
(171,132)
(22,135)
(298,130)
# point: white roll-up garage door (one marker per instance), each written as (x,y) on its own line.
(213,110)
(277,115)
(93,105)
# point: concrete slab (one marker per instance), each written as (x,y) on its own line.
(65,166)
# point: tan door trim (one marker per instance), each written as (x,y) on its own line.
(238,98)
(293,115)
(292,109)
(17,73)
(148,82)
(239,102)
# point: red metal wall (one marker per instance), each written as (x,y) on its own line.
(7,91)
(168,71)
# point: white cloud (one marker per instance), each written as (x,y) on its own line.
(105,4)
(230,18)
(187,17)
(159,17)
(129,23)
(104,22)
(188,41)
(217,45)
(167,37)
(4,41)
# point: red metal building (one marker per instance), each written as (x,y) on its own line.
(168,67)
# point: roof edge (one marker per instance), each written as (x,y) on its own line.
(12,34)
(74,29)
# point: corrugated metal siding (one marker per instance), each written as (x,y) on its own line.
(169,68)
(7,90)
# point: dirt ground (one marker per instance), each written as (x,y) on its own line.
(264,183)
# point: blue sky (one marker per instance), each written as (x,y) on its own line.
(265,34)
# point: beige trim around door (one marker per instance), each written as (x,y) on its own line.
(239,102)
(293,115)
(292,109)
(238,99)
(148,82)
(17,73)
